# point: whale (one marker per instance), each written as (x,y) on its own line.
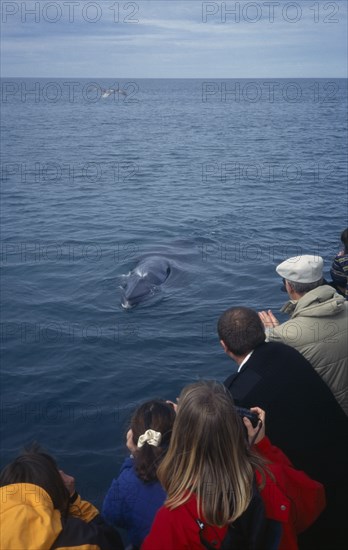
(109,91)
(143,281)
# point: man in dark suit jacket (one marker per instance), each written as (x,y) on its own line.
(303,417)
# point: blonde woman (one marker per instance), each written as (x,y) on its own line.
(208,474)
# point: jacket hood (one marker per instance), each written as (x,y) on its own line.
(322,301)
(28,518)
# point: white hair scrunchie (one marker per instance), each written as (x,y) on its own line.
(150,437)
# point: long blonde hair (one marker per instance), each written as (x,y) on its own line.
(209,455)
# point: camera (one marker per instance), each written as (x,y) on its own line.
(253,417)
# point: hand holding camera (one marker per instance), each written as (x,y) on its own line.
(254,421)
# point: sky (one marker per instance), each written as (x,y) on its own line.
(174,39)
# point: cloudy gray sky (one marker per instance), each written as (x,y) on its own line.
(174,39)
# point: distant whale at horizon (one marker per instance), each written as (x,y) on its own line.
(143,281)
(109,91)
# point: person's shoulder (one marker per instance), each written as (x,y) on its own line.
(164,512)
(279,348)
(267,354)
(129,480)
(127,472)
(274,352)
(174,514)
(127,464)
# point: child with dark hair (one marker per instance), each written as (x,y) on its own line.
(40,509)
(135,496)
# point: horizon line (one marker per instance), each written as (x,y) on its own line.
(186,77)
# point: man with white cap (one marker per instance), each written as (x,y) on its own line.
(318,325)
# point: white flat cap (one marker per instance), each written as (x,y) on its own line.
(302,269)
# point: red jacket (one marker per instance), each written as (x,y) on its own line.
(292,497)
(277,504)
(177,529)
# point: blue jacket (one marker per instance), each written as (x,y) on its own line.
(132,504)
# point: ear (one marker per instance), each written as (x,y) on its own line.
(224,346)
(288,286)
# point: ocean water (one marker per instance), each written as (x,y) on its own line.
(224,178)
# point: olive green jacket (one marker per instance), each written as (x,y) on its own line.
(318,328)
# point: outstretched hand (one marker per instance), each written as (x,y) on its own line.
(268,319)
(255,435)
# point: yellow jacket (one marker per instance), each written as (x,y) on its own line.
(30,522)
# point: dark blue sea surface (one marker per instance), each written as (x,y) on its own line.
(224,178)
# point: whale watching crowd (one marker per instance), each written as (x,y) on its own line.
(258,462)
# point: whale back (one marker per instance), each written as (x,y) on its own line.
(155,270)
(143,280)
